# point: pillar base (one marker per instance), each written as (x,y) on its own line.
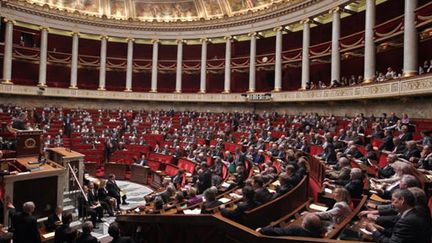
(409,74)
(6,81)
(251,91)
(73,87)
(177,91)
(101,89)
(42,85)
(127,90)
(202,92)
(368,81)
(153,91)
(227,91)
(277,90)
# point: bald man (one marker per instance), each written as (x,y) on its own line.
(311,227)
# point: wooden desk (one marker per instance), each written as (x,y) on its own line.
(44,185)
(139,173)
(118,170)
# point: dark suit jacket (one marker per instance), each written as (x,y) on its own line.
(387,144)
(25,228)
(65,234)
(355,188)
(112,188)
(329,154)
(50,223)
(204,181)
(291,230)
(122,239)
(86,238)
(262,195)
(411,228)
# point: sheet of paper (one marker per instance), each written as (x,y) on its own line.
(192,211)
(224,200)
(318,207)
(225,185)
(328,190)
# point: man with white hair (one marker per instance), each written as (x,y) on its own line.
(25,225)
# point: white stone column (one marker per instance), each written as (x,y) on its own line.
(179,70)
(305,53)
(410,39)
(74,62)
(203,76)
(335,53)
(7,58)
(154,74)
(129,65)
(227,80)
(252,62)
(278,60)
(43,57)
(103,57)
(369,52)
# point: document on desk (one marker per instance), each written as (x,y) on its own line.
(192,211)
(318,207)
(224,200)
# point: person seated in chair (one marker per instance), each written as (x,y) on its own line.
(311,226)
(114,232)
(54,220)
(85,236)
(248,203)
(410,226)
(64,233)
(86,206)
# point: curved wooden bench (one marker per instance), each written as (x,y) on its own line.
(278,207)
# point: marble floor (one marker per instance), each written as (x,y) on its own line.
(135,196)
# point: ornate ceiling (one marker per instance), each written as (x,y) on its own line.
(164,10)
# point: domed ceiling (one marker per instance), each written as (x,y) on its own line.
(164,10)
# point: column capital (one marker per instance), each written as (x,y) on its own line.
(253,34)
(335,10)
(278,28)
(305,21)
(178,41)
(228,38)
(155,41)
(6,20)
(75,33)
(204,39)
(130,39)
(44,28)
(104,37)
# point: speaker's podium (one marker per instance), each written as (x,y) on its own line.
(42,183)
(66,157)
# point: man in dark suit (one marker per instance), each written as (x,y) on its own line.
(25,225)
(311,227)
(85,236)
(114,191)
(64,233)
(114,232)
(329,155)
(387,141)
(410,225)
(54,220)
(204,178)
(87,206)
(247,203)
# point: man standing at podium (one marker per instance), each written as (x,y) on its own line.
(115,191)
(25,225)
